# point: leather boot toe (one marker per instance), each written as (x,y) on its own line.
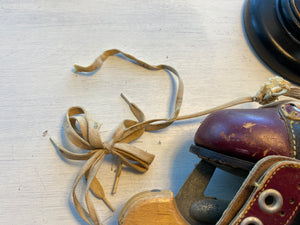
(252,134)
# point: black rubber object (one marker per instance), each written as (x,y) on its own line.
(230,164)
(273,30)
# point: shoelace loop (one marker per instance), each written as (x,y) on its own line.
(83,131)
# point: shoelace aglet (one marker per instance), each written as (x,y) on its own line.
(54,143)
(125,99)
(118,174)
(108,204)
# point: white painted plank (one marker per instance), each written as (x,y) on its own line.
(39,43)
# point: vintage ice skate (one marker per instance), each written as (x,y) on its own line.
(269,195)
(233,145)
(234,140)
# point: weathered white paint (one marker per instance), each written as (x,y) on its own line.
(40,40)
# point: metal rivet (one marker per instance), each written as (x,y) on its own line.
(270,201)
(282,213)
(251,221)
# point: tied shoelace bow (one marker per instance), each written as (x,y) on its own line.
(84,132)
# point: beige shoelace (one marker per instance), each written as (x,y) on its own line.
(83,131)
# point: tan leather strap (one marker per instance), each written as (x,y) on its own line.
(83,132)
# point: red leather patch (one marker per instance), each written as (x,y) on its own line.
(249,134)
(286,180)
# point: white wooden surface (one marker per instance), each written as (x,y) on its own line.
(40,40)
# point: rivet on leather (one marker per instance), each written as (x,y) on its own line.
(270,201)
(251,221)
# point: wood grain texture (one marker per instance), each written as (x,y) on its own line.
(151,208)
(40,41)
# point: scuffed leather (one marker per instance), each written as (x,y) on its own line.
(291,114)
(249,134)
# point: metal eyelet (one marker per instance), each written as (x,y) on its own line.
(270,201)
(251,221)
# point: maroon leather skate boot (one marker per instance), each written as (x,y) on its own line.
(234,139)
(269,195)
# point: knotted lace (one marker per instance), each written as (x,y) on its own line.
(84,132)
(271,90)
